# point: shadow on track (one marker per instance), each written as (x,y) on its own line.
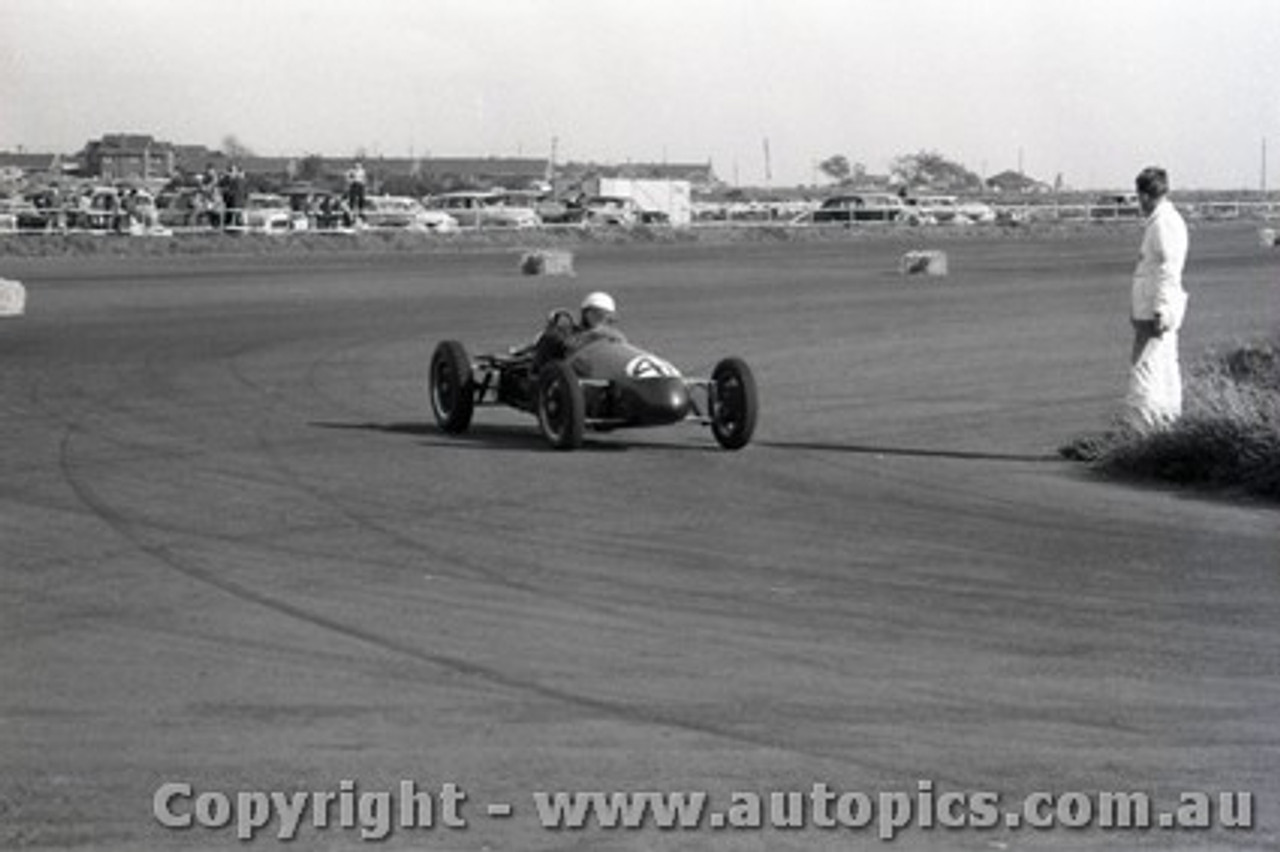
(912,452)
(478,436)
(394,428)
(504,437)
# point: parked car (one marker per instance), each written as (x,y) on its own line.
(978,212)
(615,210)
(1219,210)
(140,211)
(398,211)
(483,210)
(8,216)
(96,209)
(931,209)
(268,213)
(320,209)
(1121,205)
(182,208)
(606,210)
(862,207)
(30,213)
(115,209)
(1014,215)
(549,209)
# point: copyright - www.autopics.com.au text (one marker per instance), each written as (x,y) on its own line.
(375,814)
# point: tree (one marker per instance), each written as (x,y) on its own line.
(311,167)
(931,170)
(234,148)
(836,167)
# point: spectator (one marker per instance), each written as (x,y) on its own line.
(355,190)
(234,195)
(128,211)
(57,216)
(209,198)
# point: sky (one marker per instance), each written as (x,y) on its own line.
(1091,90)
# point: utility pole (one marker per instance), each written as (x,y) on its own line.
(768,164)
(1263,185)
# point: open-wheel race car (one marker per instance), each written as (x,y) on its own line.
(602,385)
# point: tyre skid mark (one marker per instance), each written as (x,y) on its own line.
(485,674)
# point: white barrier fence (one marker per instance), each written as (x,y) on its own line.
(789,213)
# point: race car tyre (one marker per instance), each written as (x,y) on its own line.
(733,403)
(561,406)
(452,395)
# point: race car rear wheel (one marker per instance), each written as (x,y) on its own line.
(451,391)
(733,403)
(561,406)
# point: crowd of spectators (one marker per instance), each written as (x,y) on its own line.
(213,199)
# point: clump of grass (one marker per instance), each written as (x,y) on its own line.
(1227,438)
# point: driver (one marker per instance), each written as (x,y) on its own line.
(597,321)
(563,337)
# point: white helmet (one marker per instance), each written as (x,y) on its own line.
(600,301)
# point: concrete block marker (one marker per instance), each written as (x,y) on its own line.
(13,298)
(924,263)
(1268,238)
(547,262)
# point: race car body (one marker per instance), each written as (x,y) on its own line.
(601,385)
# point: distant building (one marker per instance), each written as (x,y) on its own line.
(19,166)
(136,156)
(126,156)
(701,177)
(507,172)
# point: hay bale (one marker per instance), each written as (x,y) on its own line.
(547,262)
(1267,237)
(13,298)
(924,263)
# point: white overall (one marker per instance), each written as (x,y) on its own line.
(1159,306)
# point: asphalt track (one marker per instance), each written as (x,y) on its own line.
(235,552)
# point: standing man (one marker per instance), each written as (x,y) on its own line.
(239,195)
(211,205)
(355,190)
(1159,304)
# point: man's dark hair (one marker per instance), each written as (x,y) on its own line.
(1153,181)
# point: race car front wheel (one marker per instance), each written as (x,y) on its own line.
(733,403)
(452,395)
(561,406)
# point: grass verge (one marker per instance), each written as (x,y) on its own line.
(1228,437)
